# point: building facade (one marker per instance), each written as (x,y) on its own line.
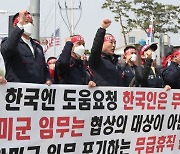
(138,35)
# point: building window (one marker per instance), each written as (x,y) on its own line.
(132,40)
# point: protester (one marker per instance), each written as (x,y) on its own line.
(102,61)
(24,59)
(2,80)
(51,61)
(69,66)
(151,74)
(132,74)
(166,61)
(171,74)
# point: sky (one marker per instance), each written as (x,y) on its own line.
(92,16)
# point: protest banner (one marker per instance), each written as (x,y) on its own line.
(60,119)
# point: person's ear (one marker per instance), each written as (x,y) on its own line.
(175,58)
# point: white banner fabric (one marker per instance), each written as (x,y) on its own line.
(74,119)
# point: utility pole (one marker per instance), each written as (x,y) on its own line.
(54,27)
(72,17)
(69,11)
(35,12)
(161,47)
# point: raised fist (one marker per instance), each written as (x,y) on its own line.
(68,39)
(22,16)
(149,53)
(2,80)
(106,23)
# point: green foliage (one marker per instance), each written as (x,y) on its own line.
(120,8)
(166,18)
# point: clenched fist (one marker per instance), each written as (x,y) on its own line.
(106,23)
(24,18)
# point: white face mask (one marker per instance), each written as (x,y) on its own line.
(28,29)
(153,56)
(79,50)
(133,57)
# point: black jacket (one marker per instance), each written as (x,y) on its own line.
(132,75)
(149,78)
(69,69)
(142,76)
(106,69)
(20,63)
(171,75)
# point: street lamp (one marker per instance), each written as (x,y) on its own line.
(5,12)
(10,14)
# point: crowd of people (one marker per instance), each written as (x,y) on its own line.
(25,62)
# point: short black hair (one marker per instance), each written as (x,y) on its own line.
(175,48)
(50,58)
(129,47)
(14,17)
(74,35)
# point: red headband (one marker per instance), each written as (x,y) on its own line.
(16,20)
(165,60)
(77,38)
(177,52)
(143,49)
(109,38)
(130,50)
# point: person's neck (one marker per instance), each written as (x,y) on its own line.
(26,37)
(74,56)
(107,53)
(130,63)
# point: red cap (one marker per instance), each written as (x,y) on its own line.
(148,46)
